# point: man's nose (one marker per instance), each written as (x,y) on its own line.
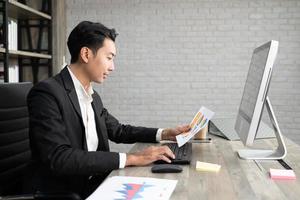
(112,67)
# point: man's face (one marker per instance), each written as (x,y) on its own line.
(101,64)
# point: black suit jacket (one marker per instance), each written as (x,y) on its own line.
(61,161)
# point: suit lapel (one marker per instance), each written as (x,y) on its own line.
(74,99)
(101,128)
(69,85)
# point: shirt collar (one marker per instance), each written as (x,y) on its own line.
(81,92)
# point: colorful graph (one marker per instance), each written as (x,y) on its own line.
(134,188)
(132,191)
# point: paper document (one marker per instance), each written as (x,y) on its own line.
(200,120)
(207,167)
(127,188)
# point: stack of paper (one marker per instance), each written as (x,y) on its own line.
(126,187)
(12,34)
(199,121)
(207,167)
(282,174)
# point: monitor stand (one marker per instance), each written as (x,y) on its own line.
(260,154)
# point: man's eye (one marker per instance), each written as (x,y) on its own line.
(109,58)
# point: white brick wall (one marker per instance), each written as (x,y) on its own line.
(174,56)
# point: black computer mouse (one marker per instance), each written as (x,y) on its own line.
(166,168)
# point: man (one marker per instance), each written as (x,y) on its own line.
(70,127)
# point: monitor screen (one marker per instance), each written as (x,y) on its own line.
(253,82)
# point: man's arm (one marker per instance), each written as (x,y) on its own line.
(121,133)
(152,154)
(51,144)
(130,134)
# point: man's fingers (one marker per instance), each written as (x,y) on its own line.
(162,153)
(165,150)
(187,126)
(162,157)
(184,128)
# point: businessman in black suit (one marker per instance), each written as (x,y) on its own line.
(70,127)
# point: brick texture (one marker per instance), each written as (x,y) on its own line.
(174,56)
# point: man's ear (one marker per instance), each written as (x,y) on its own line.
(84,54)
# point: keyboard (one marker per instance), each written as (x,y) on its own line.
(183,154)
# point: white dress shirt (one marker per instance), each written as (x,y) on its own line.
(85,100)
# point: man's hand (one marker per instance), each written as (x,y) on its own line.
(149,155)
(153,153)
(170,133)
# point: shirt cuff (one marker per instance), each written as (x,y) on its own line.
(122,160)
(158,134)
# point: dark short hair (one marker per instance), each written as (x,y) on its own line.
(88,34)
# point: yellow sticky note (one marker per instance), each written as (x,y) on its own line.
(207,167)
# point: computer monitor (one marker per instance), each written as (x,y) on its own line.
(255,96)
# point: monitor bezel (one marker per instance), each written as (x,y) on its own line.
(247,130)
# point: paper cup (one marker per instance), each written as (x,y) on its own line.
(201,134)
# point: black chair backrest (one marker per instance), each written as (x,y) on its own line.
(15,151)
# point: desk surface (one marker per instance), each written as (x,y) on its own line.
(237,179)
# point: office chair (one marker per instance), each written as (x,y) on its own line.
(15,151)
